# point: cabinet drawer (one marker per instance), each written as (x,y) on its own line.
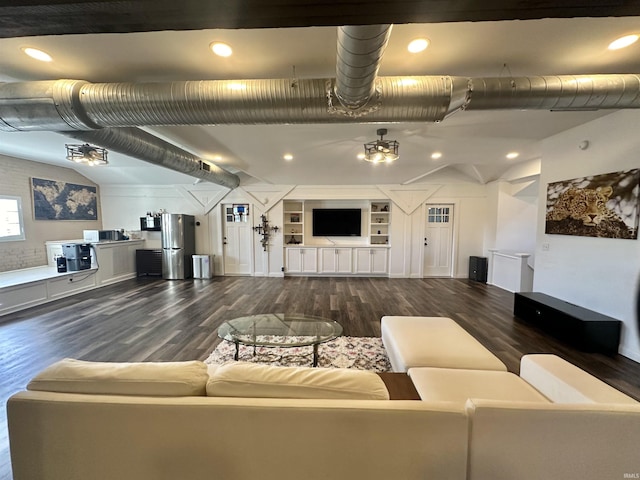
(70,284)
(19,297)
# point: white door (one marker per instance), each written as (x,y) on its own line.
(237,241)
(438,241)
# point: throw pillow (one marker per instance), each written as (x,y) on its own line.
(171,379)
(265,381)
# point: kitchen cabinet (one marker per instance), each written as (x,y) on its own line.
(116,260)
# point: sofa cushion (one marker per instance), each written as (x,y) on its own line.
(563,382)
(171,379)
(458,385)
(434,342)
(243,379)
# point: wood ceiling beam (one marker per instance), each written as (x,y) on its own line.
(55,17)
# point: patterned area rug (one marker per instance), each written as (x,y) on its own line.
(362,353)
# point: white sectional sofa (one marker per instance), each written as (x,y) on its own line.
(182,421)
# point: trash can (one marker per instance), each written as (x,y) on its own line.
(202,266)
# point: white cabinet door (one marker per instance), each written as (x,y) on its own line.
(301,260)
(309,260)
(379,260)
(328,260)
(371,260)
(335,260)
(294,260)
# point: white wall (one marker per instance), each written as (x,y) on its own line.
(517,219)
(123,206)
(597,273)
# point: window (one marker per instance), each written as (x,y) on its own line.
(438,215)
(11,224)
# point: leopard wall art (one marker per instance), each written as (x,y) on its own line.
(586,204)
(584,211)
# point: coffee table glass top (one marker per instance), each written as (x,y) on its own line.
(279,330)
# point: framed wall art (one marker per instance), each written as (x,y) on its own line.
(56,200)
(603,205)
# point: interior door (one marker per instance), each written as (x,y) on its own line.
(237,241)
(438,241)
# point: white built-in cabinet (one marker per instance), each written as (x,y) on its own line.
(117,261)
(335,260)
(373,260)
(111,262)
(301,260)
(305,259)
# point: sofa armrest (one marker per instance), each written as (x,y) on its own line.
(532,441)
(563,382)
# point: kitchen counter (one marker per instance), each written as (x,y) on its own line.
(111,262)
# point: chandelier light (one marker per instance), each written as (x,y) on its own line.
(87,154)
(381,150)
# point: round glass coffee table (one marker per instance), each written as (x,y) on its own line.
(280,330)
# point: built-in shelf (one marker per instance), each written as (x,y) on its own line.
(380,219)
(150,223)
(293,225)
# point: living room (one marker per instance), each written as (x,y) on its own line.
(504,211)
(488,217)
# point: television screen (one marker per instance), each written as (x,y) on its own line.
(337,222)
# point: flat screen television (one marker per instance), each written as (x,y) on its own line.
(337,222)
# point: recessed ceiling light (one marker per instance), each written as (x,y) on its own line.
(436,155)
(37,54)
(512,155)
(418,45)
(623,42)
(288,157)
(221,49)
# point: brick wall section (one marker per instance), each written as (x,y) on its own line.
(15,180)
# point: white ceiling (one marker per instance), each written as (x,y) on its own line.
(472,142)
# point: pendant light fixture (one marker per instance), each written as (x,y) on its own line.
(381,150)
(87,154)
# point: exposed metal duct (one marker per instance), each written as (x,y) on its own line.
(565,92)
(62,105)
(74,105)
(360,50)
(140,144)
(77,105)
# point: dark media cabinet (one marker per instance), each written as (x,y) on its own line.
(585,329)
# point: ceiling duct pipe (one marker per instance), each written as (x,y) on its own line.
(564,92)
(140,144)
(60,105)
(360,50)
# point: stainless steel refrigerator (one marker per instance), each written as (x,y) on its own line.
(178,245)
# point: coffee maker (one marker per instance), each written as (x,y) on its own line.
(78,256)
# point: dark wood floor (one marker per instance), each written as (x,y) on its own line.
(148,319)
